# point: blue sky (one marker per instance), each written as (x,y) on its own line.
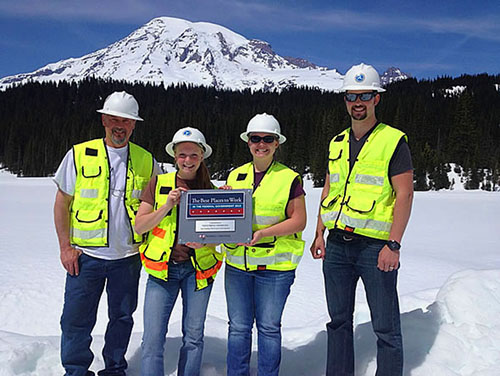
(424,38)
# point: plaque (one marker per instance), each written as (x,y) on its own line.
(215,216)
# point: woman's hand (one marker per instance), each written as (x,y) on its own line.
(174,197)
(194,245)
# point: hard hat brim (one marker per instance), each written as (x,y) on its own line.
(244,135)
(170,148)
(343,89)
(120,114)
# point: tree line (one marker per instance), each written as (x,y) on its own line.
(39,122)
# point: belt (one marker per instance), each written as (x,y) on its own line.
(177,262)
(341,235)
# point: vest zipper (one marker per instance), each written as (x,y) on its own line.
(109,191)
(346,181)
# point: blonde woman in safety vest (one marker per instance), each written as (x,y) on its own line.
(259,274)
(189,268)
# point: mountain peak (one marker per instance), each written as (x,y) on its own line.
(393,74)
(170,50)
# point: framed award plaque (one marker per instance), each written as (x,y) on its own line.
(215,216)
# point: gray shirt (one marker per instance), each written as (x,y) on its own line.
(400,161)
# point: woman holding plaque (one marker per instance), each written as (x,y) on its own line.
(172,267)
(259,274)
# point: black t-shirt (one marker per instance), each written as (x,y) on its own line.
(400,161)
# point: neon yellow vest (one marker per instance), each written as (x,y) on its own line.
(269,207)
(90,208)
(156,250)
(361,200)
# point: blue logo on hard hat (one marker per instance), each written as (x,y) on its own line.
(187,132)
(359,77)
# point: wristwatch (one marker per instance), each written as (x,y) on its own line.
(393,245)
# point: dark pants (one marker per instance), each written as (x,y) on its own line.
(346,260)
(81,299)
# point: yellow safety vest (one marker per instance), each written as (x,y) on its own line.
(269,208)
(90,207)
(156,250)
(361,200)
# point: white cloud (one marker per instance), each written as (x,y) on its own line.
(252,15)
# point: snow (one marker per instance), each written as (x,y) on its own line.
(170,51)
(449,285)
(454,91)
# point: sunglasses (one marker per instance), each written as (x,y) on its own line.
(365,97)
(266,139)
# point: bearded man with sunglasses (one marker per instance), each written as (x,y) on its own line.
(365,204)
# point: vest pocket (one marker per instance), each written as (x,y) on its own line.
(154,254)
(328,202)
(87,216)
(91,171)
(360,205)
(333,159)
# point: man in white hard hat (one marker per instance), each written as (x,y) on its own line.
(99,184)
(365,204)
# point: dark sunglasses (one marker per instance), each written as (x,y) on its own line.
(266,139)
(365,97)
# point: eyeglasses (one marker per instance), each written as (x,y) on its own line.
(365,97)
(266,139)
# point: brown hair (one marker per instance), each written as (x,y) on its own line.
(202,180)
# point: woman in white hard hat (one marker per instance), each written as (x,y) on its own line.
(172,267)
(259,274)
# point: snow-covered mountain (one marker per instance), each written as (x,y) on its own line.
(393,74)
(171,50)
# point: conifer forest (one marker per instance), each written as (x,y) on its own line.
(39,122)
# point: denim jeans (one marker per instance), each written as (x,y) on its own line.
(158,305)
(258,296)
(347,259)
(81,300)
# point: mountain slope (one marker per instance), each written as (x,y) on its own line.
(170,50)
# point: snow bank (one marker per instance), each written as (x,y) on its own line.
(468,340)
(459,334)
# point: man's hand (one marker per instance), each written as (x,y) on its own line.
(318,247)
(388,260)
(69,259)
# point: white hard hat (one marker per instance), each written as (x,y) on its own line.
(189,134)
(122,104)
(263,123)
(362,77)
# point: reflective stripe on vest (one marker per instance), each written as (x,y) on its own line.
(269,260)
(89,210)
(156,250)
(270,202)
(88,234)
(89,193)
(266,220)
(361,198)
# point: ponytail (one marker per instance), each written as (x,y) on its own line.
(203,177)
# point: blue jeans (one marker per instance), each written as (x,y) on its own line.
(158,305)
(258,296)
(346,260)
(81,300)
